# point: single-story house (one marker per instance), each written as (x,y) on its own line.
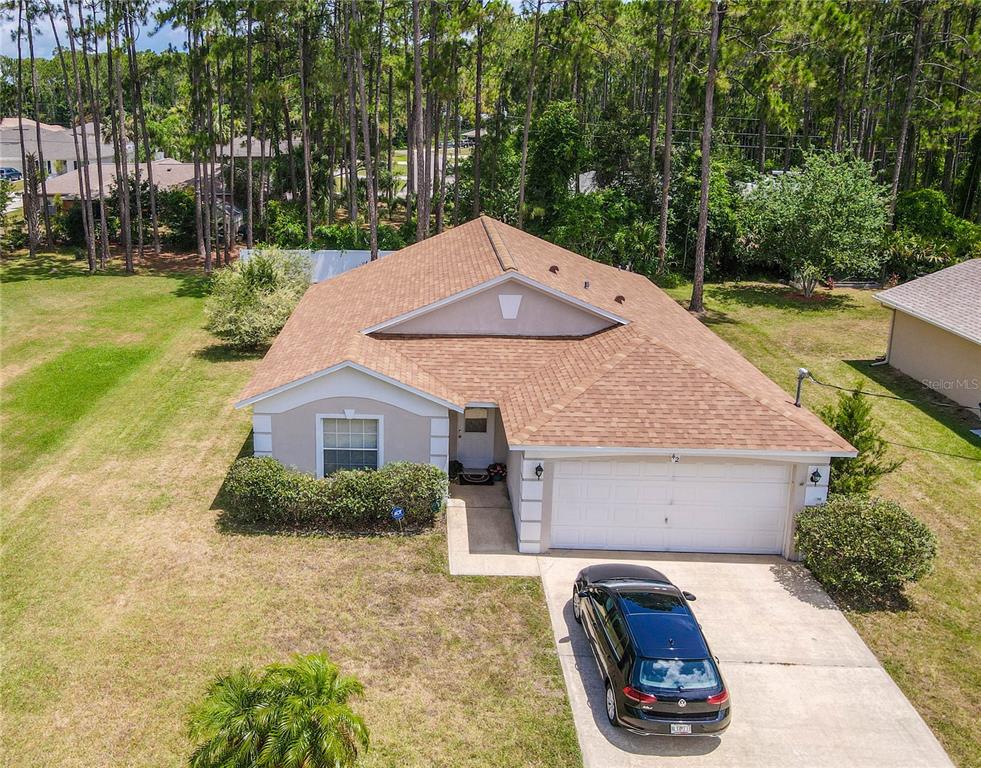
(167,173)
(623,421)
(936,331)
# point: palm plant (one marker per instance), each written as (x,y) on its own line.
(289,716)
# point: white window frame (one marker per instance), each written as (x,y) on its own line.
(319,421)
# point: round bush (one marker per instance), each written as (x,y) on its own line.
(864,546)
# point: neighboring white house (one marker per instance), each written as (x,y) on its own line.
(57,142)
(325,263)
(624,422)
(936,331)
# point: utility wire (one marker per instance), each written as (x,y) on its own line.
(973,409)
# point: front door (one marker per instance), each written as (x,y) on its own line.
(475,438)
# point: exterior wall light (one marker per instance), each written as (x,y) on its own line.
(816,476)
(539,470)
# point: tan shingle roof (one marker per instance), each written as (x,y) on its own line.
(950,299)
(663,380)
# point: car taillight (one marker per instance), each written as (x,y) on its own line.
(639,696)
(719,698)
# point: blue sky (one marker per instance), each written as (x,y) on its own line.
(148,38)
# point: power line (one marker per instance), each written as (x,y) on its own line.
(973,409)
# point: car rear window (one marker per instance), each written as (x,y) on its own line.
(677,674)
(651,602)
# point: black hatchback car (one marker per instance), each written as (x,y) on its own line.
(660,675)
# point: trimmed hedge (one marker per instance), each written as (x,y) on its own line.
(864,546)
(261,491)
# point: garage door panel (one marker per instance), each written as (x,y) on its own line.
(697,507)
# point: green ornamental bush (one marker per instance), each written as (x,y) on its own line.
(865,547)
(250,302)
(261,491)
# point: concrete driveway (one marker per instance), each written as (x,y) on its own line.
(806,690)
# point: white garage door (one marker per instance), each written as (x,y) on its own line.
(691,506)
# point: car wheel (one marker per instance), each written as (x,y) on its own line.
(576,606)
(611,706)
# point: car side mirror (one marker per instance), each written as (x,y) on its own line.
(584,593)
(689,597)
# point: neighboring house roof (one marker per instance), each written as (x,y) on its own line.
(659,380)
(949,299)
(167,173)
(241,147)
(57,141)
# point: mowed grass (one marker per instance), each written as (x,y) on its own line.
(933,649)
(123,597)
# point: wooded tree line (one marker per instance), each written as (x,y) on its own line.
(356,110)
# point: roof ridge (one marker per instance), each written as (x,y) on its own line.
(504,256)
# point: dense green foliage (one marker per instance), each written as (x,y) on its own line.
(851,417)
(251,301)
(827,219)
(295,715)
(864,547)
(261,491)
(555,157)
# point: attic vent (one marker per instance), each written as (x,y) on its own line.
(553,269)
(619,299)
(586,284)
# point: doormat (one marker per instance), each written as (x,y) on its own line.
(475,477)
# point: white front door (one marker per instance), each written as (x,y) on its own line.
(691,506)
(475,437)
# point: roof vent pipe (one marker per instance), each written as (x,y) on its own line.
(586,284)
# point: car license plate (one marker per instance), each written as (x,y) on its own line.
(678,729)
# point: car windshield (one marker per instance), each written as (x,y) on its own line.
(677,674)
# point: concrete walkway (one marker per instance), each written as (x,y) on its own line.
(806,689)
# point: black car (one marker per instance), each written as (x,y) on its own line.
(660,675)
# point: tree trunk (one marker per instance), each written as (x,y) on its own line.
(907,107)
(43,172)
(249,98)
(391,178)
(27,200)
(97,120)
(365,135)
(656,88)
(662,243)
(477,117)
(86,189)
(352,136)
(697,304)
(839,104)
(418,137)
(528,106)
(305,129)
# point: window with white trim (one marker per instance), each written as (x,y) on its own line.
(350,444)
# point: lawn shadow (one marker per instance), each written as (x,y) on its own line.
(228,524)
(189,286)
(928,401)
(17,268)
(778,297)
(222,353)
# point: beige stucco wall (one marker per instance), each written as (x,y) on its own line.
(285,425)
(480,314)
(405,436)
(936,358)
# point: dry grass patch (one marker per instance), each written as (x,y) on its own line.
(122,598)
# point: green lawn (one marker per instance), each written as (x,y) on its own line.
(933,649)
(122,596)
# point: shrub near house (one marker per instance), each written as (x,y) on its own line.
(261,491)
(864,547)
